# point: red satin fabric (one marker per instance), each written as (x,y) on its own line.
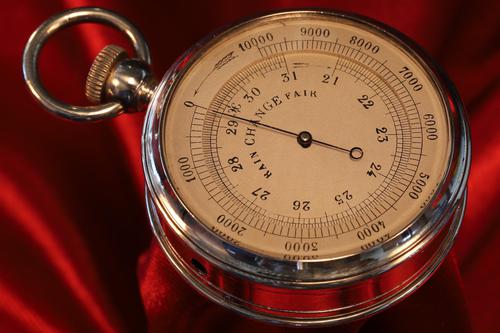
(76,250)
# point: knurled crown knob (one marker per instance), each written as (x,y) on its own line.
(100,70)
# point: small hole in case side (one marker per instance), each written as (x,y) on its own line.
(199,267)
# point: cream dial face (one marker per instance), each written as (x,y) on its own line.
(305,137)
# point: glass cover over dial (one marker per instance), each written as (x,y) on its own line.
(306,137)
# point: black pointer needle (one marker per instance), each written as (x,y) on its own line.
(329,145)
(355,153)
(256,123)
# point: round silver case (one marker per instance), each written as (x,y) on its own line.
(305,293)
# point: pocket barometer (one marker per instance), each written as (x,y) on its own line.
(305,167)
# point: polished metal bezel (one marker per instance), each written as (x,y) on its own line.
(328,273)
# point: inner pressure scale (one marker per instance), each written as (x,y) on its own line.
(303,167)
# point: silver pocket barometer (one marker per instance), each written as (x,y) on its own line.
(304,167)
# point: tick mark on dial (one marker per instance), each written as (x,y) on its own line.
(304,139)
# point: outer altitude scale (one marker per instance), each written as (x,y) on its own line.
(302,167)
